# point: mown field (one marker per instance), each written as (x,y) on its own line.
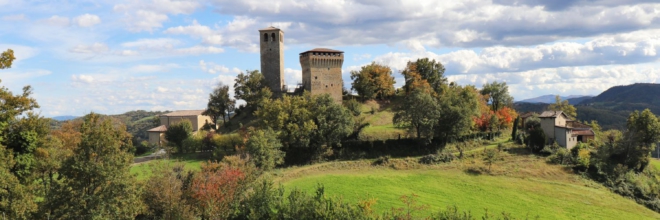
(522,185)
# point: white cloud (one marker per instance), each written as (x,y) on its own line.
(152,44)
(20,52)
(16,17)
(96,48)
(195,50)
(292,76)
(56,21)
(150,15)
(87,20)
(154,68)
(82,78)
(212,68)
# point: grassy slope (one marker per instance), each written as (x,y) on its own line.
(381,127)
(519,184)
(190,161)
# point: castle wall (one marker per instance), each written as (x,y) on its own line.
(322,73)
(272,58)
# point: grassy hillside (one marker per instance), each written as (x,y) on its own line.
(521,184)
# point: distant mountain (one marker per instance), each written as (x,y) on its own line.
(549,99)
(648,93)
(64,117)
(578,100)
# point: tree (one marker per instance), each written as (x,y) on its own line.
(490,156)
(96,181)
(643,133)
(458,106)
(419,111)
(265,149)
(215,190)
(333,121)
(424,70)
(514,131)
(564,106)
(497,95)
(178,132)
(168,194)
(6,59)
(373,81)
(252,88)
(353,106)
(219,105)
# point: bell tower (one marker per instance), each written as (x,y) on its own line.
(272,58)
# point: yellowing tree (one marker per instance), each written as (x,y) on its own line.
(373,81)
(564,106)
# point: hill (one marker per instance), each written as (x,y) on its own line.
(64,118)
(549,99)
(521,184)
(636,93)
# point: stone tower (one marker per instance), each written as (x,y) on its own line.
(321,69)
(272,58)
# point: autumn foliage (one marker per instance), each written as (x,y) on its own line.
(216,188)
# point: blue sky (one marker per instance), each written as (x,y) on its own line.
(115,56)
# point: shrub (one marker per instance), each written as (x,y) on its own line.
(226,144)
(436,158)
(561,156)
(353,106)
(142,148)
(382,160)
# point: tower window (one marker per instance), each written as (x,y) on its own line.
(273,36)
(265,37)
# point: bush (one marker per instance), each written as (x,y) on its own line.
(561,156)
(226,144)
(437,158)
(353,106)
(383,160)
(142,148)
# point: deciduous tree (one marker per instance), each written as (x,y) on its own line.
(265,149)
(373,81)
(497,95)
(252,88)
(219,105)
(419,112)
(96,182)
(179,132)
(422,70)
(564,106)
(6,59)
(458,106)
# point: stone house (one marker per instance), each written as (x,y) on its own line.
(157,134)
(558,127)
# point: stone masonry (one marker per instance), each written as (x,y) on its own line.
(272,58)
(321,70)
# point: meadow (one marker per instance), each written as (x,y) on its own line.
(520,184)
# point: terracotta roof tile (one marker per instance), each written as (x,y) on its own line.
(185,113)
(323,50)
(161,128)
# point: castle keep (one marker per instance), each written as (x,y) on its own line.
(321,67)
(321,72)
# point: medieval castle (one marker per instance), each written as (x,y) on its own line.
(321,67)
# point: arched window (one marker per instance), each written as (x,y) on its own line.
(265,37)
(273,36)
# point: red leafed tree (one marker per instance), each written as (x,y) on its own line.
(216,188)
(506,116)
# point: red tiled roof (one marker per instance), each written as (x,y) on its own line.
(185,113)
(583,132)
(323,50)
(161,128)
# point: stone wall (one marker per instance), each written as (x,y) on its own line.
(322,73)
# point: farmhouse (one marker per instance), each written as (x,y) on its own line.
(157,134)
(558,127)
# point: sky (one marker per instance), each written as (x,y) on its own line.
(116,56)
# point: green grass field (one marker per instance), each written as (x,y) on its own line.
(655,163)
(520,183)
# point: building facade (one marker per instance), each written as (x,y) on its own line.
(558,127)
(272,58)
(157,134)
(321,72)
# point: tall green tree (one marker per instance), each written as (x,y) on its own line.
(373,81)
(252,88)
(333,121)
(178,132)
(96,181)
(497,94)
(457,108)
(419,112)
(564,106)
(643,132)
(265,149)
(219,105)
(424,70)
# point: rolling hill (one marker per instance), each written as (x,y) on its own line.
(549,99)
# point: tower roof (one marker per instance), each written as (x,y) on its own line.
(323,50)
(271,28)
